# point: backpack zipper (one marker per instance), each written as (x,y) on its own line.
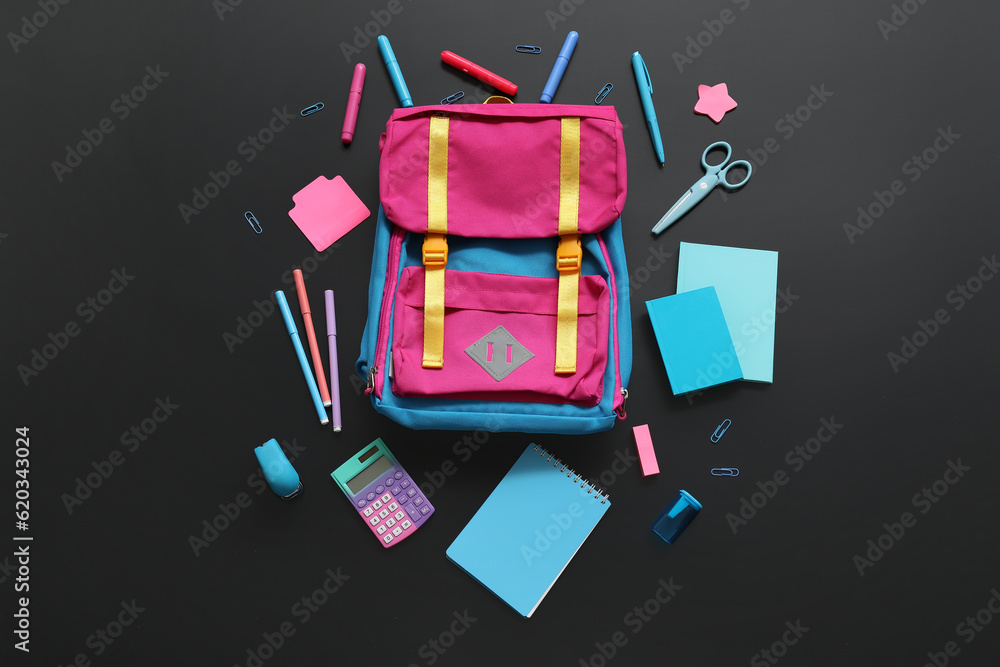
(385,313)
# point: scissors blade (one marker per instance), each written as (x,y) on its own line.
(695,194)
(675,212)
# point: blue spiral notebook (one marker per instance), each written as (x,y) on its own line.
(528,530)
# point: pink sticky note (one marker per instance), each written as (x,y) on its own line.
(326,209)
(647,456)
(714,101)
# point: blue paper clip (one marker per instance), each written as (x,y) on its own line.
(720,430)
(604,93)
(524,48)
(454,97)
(726,472)
(253,222)
(308,111)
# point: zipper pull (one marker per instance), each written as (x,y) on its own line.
(621,408)
(371,380)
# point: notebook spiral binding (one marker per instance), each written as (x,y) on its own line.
(584,483)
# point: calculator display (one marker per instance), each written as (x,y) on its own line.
(368,475)
(388,500)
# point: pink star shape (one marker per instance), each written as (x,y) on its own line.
(714,101)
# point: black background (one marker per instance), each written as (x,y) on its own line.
(850,301)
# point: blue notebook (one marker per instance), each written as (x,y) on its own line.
(528,530)
(747,284)
(694,340)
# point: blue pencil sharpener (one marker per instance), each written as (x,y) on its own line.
(676,518)
(278,472)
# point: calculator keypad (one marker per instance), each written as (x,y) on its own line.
(396,507)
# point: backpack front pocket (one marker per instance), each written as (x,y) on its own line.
(499,339)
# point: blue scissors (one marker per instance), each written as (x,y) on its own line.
(716,175)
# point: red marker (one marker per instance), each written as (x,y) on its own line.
(353,103)
(474,70)
(300,288)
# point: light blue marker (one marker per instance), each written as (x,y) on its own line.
(286,315)
(562,60)
(646,94)
(394,72)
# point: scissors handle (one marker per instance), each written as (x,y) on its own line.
(716,168)
(724,179)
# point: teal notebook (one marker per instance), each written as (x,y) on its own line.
(747,284)
(528,530)
(694,340)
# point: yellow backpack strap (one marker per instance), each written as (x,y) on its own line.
(569,255)
(435,248)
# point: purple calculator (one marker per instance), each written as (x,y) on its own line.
(383,493)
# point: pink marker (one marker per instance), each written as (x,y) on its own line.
(353,104)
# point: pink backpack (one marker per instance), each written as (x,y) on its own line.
(498,297)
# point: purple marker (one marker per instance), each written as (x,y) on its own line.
(331,336)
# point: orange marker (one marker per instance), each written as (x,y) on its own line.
(300,289)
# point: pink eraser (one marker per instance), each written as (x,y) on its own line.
(647,456)
(714,101)
(326,209)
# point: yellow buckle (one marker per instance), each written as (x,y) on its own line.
(569,255)
(435,250)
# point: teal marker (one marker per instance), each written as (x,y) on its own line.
(646,94)
(394,72)
(286,315)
